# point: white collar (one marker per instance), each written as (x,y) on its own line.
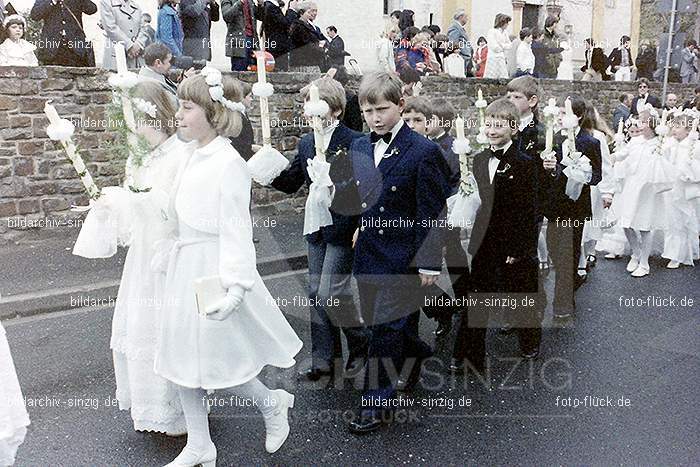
(525,121)
(212,147)
(274,2)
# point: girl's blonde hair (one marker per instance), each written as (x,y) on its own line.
(225,122)
(165,103)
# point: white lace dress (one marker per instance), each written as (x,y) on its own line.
(152,400)
(13,415)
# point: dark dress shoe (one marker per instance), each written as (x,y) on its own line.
(411,381)
(314,374)
(444,326)
(365,422)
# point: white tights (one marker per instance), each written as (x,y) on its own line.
(640,245)
(194,405)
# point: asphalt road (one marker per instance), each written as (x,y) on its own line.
(644,360)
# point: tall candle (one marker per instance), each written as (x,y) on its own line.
(567,106)
(120,54)
(549,138)
(314,97)
(459,125)
(313,93)
(664,116)
(262,72)
(620,127)
(480,95)
(51,113)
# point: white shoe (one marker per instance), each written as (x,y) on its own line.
(641,271)
(673,265)
(190,458)
(277,423)
(633,264)
(611,256)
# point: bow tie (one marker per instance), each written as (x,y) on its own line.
(374,137)
(498,153)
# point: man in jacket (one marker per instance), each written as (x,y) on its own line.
(196,17)
(275,27)
(121,21)
(596,63)
(688,56)
(457,34)
(241,38)
(621,60)
(62,37)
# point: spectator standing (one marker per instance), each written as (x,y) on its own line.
(241,37)
(416,58)
(293,11)
(693,103)
(525,59)
(335,49)
(150,32)
(406,20)
(15,51)
(158,62)
(499,42)
(169,28)
(644,97)
(566,66)
(62,35)
(550,40)
(196,17)
(689,55)
(308,43)
(596,62)
(275,27)
(121,21)
(480,55)
(622,111)
(385,51)
(457,35)
(621,60)
(646,61)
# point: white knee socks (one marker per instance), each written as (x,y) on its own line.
(631,235)
(195,409)
(645,248)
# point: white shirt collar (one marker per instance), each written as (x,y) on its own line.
(525,121)
(274,2)
(505,147)
(395,130)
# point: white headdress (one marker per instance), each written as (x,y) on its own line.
(213,77)
(14,17)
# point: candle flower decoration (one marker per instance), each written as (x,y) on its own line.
(550,112)
(267,163)
(462,206)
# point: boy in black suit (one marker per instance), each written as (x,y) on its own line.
(567,216)
(503,243)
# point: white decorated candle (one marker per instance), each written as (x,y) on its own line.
(480,95)
(549,138)
(694,128)
(313,93)
(552,102)
(567,106)
(459,126)
(664,116)
(620,127)
(120,55)
(262,73)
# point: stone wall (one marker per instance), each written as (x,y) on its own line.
(38,185)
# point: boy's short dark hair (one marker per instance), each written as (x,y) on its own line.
(526,85)
(503,109)
(524,32)
(156,51)
(419,105)
(332,28)
(443,110)
(378,86)
(641,81)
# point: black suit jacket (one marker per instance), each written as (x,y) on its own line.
(335,52)
(452,159)
(531,142)
(558,204)
(343,209)
(196,17)
(305,45)
(275,27)
(599,62)
(650,100)
(505,223)
(353,113)
(615,57)
(57,20)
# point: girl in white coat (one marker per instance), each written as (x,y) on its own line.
(499,43)
(227,343)
(133,215)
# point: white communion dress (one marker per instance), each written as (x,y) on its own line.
(19,53)
(138,218)
(215,238)
(646,175)
(593,228)
(681,237)
(13,414)
(496,64)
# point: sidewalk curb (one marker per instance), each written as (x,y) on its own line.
(105,293)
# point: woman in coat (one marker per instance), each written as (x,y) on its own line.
(169,30)
(307,40)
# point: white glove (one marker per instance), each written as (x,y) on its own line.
(223,308)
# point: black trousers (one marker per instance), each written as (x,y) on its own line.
(564,245)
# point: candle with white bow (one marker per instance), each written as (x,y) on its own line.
(61,130)
(461,147)
(572,122)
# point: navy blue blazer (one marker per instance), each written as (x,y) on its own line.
(531,142)
(403,204)
(557,203)
(452,159)
(344,206)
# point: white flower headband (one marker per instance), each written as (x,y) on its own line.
(14,17)
(649,108)
(212,76)
(146,107)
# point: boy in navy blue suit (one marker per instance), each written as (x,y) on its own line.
(330,248)
(567,216)
(401,180)
(503,243)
